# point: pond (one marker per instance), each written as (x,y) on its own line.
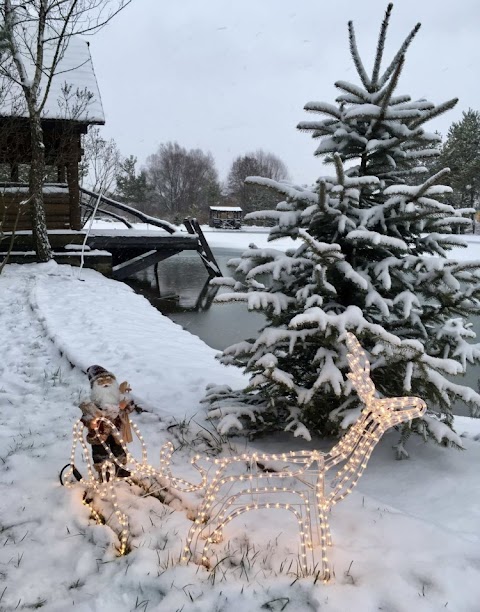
(180,290)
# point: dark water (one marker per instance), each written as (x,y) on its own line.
(181,291)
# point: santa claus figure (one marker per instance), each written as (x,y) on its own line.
(108,399)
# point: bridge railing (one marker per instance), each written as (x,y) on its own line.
(138,214)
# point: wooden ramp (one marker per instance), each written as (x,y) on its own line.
(132,250)
(119,253)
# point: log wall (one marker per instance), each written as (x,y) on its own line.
(57,208)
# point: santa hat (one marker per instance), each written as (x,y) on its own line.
(94,372)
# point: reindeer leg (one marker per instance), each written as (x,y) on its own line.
(324,542)
(328,533)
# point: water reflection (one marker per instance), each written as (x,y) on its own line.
(179,288)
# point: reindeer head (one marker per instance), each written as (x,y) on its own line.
(388,412)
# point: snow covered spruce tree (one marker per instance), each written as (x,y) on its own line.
(372,260)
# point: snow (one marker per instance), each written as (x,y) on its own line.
(226,208)
(406,539)
(376,238)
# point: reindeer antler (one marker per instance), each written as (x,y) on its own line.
(410,407)
(360,369)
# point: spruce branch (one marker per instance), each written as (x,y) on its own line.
(402,51)
(394,142)
(354,90)
(325,127)
(434,112)
(402,99)
(387,97)
(381,45)
(292,192)
(323,107)
(337,160)
(356,57)
(433,180)
(322,195)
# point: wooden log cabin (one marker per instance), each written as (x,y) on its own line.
(73,104)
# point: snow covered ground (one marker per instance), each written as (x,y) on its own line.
(408,538)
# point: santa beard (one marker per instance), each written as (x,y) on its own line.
(107,397)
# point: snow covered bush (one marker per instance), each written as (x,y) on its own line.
(373,261)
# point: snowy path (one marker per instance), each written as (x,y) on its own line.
(406,540)
(38,393)
(97,320)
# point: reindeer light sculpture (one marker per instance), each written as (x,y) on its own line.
(302,478)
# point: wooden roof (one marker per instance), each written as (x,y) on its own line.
(74,76)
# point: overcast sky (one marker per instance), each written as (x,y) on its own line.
(232,76)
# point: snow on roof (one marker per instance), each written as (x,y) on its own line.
(73,74)
(226,208)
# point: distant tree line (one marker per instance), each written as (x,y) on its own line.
(461,153)
(176,182)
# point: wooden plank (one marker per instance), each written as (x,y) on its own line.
(102,262)
(58,209)
(24,224)
(111,241)
(204,250)
(135,240)
(57,240)
(136,264)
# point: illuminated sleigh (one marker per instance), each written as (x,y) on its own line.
(299,486)
(104,485)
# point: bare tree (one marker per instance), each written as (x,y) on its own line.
(182,182)
(101,162)
(259,163)
(35,36)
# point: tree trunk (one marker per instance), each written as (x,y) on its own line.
(36,180)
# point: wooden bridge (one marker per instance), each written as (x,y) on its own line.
(119,253)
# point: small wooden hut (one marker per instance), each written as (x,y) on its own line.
(225,217)
(73,104)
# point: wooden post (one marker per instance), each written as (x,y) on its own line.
(74,156)
(74,193)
